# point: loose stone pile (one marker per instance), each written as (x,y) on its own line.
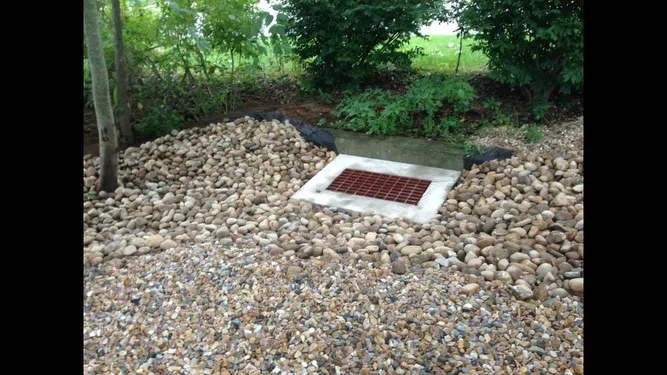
(228,181)
(207,310)
(239,278)
(511,221)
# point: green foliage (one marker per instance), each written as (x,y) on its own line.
(472,149)
(492,104)
(374,111)
(187,53)
(536,45)
(158,122)
(427,96)
(90,196)
(540,107)
(342,42)
(432,106)
(504,120)
(532,133)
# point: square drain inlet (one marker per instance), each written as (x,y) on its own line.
(381,187)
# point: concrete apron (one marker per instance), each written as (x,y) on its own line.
(442,180)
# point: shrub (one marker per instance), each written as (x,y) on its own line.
(374,111)
(428,95)
(343,41)
(158,122)
(431,105)
(184,49)
(536,45)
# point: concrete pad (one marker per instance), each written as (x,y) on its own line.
(442,180)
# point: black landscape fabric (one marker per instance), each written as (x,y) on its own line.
(490,153)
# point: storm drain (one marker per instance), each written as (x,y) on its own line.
(380,186)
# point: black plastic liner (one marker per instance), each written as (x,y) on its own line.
(317,136)
(490,153)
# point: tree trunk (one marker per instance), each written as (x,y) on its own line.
(122,77)
(105,123)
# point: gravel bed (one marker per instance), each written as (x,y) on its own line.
(205,309)
(201,263)
(558,138)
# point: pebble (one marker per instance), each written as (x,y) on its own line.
(560,292)
(155,240)
(201,308)
(294,270)
(470,289)
(560,200)
(522,292)
(168,244)
(130,250)
(407,250)
(549,278)
(504,277)
(542,270)
(443,262)
(220,264)
(398,267)
(488,275)
(577,285)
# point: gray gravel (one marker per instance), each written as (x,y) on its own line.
(206,309)
(558,138)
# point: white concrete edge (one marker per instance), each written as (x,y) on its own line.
(442,181)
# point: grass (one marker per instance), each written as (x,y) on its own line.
(269,65)
(441,53)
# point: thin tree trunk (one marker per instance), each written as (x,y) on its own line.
(122,77)
(231,95)
(103,111)
(458,61)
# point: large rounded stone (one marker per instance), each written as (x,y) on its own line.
(577,285)
(168,244)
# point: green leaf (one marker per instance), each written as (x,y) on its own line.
(277,29)
(174,6)
(202,45)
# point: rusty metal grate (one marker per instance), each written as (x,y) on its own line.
(380,186)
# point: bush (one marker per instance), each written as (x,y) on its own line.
(158,122)
(342,42)
(431,106)
(186,50)
(536,45)
(374,111)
